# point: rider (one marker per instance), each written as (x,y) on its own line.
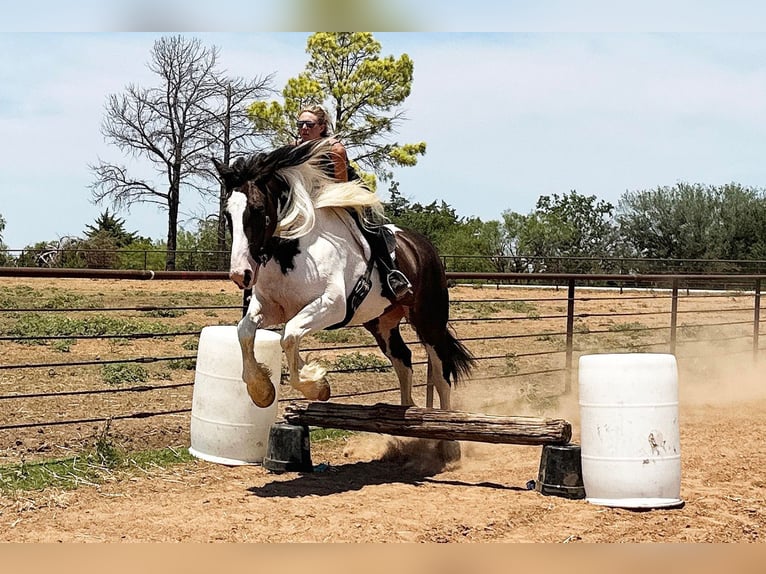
(314,124)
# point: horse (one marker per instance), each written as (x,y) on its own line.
(298,242)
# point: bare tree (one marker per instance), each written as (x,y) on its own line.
(176,126)
(232,133)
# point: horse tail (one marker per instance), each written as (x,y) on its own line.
(458,361)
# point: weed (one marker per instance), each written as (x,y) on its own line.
(190,344)
(63,345)
(540,398)
(359,361)
(581,327)
(511,365)
(480,310)
(334,336)
(107,453)
(183,364)
(166,313)
(38,324)
(327,435)
(123,373)
(635,329)
(88,469)
(522,307)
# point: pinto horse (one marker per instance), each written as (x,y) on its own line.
(297,243)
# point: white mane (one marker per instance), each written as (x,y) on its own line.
(312,189)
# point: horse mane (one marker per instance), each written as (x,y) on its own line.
(310,188)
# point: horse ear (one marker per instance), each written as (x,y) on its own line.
(222,169)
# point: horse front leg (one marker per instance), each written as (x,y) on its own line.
(309,378)
(256,375)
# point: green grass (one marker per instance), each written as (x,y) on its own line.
(48,298)
(523,307)
(329,435)
(183,364)
(92,468)
(39,324)
(632,326)
(480,310)
(369,362)
(342,336)
(123,373)
(165,313)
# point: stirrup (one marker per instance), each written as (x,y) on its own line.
(398,283)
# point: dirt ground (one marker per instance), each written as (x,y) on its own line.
(376,488)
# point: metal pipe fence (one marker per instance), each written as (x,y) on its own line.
(54,256)
(569,311)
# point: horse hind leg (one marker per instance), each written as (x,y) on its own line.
(389,339)
(437,378)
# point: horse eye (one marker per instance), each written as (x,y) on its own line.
(267,220)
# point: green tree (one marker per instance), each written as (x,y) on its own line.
(511,241)
(695,222)
(5,257)
(111,226)
(562,227)
(669,222)
(741,229)
(362,93)
(143,253)
(435,220)
(473,245)
(198,250)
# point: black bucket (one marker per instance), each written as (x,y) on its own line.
(289,449)
(560,471)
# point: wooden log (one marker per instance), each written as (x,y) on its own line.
(431,423)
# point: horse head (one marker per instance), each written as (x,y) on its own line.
(251,212)
(261,198)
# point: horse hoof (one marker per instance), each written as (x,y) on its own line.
(261,399)
(324,393)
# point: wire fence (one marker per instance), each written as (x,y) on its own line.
(76,354)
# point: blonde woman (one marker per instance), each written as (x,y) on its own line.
(313,124)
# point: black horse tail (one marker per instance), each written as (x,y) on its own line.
(458,360)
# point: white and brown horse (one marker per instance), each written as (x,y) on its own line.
(297,243)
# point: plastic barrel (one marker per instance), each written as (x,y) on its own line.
(630,445)
(226,426)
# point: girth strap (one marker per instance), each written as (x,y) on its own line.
(357,295)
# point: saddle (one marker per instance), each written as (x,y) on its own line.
(383,256)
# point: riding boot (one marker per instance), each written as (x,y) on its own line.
(399,284)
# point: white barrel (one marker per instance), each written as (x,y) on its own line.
(630,444)
(226,426)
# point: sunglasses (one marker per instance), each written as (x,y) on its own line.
(308,124)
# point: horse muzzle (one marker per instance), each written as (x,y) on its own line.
(244,279)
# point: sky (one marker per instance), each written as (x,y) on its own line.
(513,102)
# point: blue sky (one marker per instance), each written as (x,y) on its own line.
(507,116)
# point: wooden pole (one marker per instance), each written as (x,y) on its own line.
(431,423)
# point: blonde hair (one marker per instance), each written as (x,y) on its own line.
(322,119)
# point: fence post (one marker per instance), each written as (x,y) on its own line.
(570,335)
(756,318)
(674,317)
